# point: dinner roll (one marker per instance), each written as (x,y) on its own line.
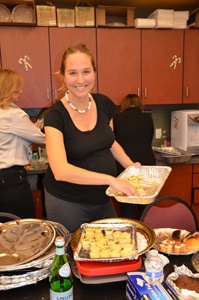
(192,243)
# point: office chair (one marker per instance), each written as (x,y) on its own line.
(170,212)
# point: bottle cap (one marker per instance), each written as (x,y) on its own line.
(59,241)
(154,252)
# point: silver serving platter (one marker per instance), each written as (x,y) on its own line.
(34,270)
(171,155)
(24,240)
(154,178)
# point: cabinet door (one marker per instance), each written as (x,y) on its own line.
(60,40)
(191,67)
(118,65)
(161,78)
(26,50)
(175,186)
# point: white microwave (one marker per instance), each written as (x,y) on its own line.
(185,130)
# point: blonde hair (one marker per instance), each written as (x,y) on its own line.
(132,100)
(10,82)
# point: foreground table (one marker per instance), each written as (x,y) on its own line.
(106,291)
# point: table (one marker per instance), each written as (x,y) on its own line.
(105,291)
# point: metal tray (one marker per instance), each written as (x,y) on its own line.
(154,179)
(171,155)
(141,228)
(35,270)
(24,240)
(81,254)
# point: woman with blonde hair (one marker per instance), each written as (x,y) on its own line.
(17,132)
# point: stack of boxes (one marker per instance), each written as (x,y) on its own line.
(84,16)
(180,19)
(163,18)
(168,18)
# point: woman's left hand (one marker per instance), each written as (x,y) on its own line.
(136,164)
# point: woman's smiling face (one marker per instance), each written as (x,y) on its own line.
(79,74)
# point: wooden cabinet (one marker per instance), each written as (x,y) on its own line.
(26,50)
(161,82)
(118,62)
(179,183)
(60,40)
(191,67)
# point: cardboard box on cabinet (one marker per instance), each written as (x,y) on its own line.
(84,15)
(65,17)
(115,16)
(46,15)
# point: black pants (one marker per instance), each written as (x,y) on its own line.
(15,193)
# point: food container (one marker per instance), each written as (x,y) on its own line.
(101,271)
(23,14)
(114,242)
(171,155)
(151,182)
(5,15)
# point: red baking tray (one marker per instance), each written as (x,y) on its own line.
(108,268)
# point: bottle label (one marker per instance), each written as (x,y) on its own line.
(68,295)
(154,274)
(65,271)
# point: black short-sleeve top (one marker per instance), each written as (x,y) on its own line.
(85,149)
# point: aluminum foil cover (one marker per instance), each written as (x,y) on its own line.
(148,180)
(183,294)
(106,242)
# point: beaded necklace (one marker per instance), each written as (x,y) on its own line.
(76,109)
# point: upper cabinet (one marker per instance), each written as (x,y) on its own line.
(191,67)
(26,50)
(60,40)
(118,62)
(162,57)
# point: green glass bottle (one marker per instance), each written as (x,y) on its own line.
(61,282)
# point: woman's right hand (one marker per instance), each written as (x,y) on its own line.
(124,186)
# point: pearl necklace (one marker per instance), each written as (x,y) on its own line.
(76,109)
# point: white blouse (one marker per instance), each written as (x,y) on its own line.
(17,133)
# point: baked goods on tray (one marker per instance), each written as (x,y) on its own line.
(186,282)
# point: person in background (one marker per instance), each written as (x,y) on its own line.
(17,132)
(81,147)
(134,131)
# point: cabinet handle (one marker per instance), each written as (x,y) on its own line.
(48,94)
(145,92)
(138,91)
(187,91)
(55,92)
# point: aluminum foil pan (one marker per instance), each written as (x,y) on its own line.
(184,293)
(149,180)
(145,235)
(106,242)
(35,270)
